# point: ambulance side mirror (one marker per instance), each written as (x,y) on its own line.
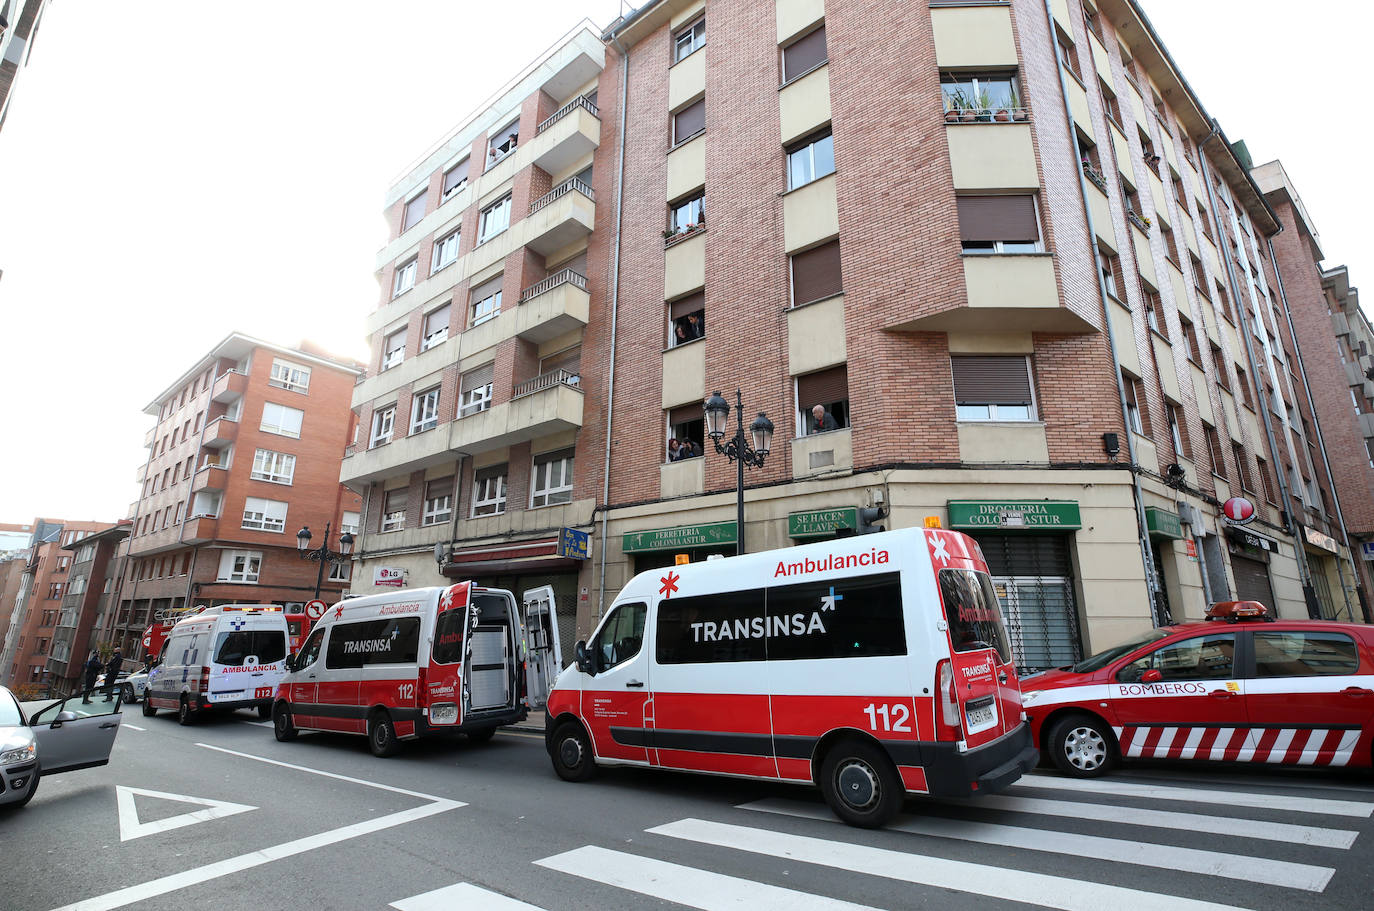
(584,658)
(291,662)
(1151,676)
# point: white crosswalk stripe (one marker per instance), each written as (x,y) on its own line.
(1355,808)
(465,896)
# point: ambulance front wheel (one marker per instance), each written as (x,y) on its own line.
(148,709)
(1081,746)
(571,753)
(861,784)
(381,735)
(282,726)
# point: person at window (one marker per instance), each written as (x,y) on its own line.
(674,449)
(821,421)
(696,326)
(691,449)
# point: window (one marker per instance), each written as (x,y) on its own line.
(1267,481)
(1242,467)
(445,250)
(1177,430)
(240,566)
(394,509)
(405,278)
(1218,464)
(1153,307)
(180,506)
(690,39)
(486,301)
(982,97)
(394,640)
(286,375)
(620,637)
(1110,104)
(1110,266)
(206,504)
(687,215)
(998,224)
(553,478)
(232,647)
(1219,362)
(424,411)
(803,55)
(816,273)
(975,617)
(277,467)
(264,515)
(414,211)
(340,572)
(495,219)
(62,563)
(1170,243)
(54,591)
(281,420)
(812,159)
(1066,53)
(393,349)
(455,178)
(1224,302)
(1190,336)
(687,319)
(1134,411)
(827,390)
(503,142)
(992,388)
(686,427)
(1177,183)
(489,491)
(1243,382)
(1199,277)
(383,422)
(190,466)
(349,523)
(1207,657)
(475,391)
(689,121)
(1290,653)
(438,501)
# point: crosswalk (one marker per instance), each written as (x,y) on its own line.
(1150,832)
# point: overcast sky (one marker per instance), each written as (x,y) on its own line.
(174,171)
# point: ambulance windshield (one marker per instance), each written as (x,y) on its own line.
(971,607)
(1102,659)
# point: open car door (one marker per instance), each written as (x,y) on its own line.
(73,734)
(544,658)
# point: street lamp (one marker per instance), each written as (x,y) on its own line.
(738,449)
(322,554)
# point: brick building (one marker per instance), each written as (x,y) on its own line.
(1006,250)
(91,591)
(245,452)
(11,574)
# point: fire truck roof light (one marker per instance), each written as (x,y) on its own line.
(1232,611)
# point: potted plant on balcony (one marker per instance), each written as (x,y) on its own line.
(1018,107)
(956,104)
(984,105)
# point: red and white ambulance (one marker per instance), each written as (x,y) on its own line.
(874,666)
(419,662)
(1239,687)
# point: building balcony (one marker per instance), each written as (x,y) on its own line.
(400,456)
(1016,292)
(1340,323)
(150,437)
(555,306)
(992,156)
(230,386)
(1367,425)
(220,432)
(567,136)
(200,529)
(564,214)
(549,403)
(210,477)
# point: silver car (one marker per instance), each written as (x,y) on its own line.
(60,736)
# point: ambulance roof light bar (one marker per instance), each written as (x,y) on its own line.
(1235,611)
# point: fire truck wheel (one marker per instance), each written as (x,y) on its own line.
(282,726)
(148,710)
(381,735)
(1081,746)
(184,713)
(861,784)
(572,753)
(481,735)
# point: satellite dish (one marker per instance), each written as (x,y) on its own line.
(441,553)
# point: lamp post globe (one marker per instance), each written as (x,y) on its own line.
(717,410)
(346,543)
(762,432)
(303,538)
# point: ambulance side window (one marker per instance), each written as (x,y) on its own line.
(448,636)
(621,637)
(311,650)
(1210,657)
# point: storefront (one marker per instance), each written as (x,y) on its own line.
(1164,527)
(1250,554)
(822,524)
(656,548)
(1323,556)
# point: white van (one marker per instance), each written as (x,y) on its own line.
(874,666)
(420,662)
(227,657)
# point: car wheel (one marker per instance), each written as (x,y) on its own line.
(861,784)
(129,696)
(481,735)
(381,735)
(148,710)
(184,713)
(571,753)
(282,726)
(1081,746)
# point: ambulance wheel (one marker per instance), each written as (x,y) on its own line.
(184,713)
(282,726)
(264,712)
(381,735)
(148,710)
(129,696)
(861,784)
(571,752)
(481,735)
(1081,746)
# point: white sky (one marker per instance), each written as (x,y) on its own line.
(173,171)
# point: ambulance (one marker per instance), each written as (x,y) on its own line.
(222,658)
(421,662)
(874,666)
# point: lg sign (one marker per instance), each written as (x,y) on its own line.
(1239,510)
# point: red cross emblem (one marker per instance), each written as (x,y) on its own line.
(338,612)
(669,584)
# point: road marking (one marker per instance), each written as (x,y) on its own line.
(686,885)
(260,724)
(131,827)
(465,896)
(1167,819)
(1231,866)
(1328,807)
(134,727)
(961,876)
(301,768)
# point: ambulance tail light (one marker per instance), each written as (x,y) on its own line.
(422,687)
(204,680)
(947,724)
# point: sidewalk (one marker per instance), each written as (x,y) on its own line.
(534,723)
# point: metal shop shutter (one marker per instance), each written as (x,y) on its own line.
(1033,575)
(1252,582)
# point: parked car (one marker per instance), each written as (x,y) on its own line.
(1238,687)
(60,737)
(134,685)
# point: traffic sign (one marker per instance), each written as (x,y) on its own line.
(1239,510)
(315,609)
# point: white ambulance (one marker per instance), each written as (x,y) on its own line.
(222,658)
(874,666)
(421,662)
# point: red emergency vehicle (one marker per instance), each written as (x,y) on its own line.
(1238,687)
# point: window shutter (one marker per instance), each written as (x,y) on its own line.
(396,500)
(816,273)
(487,289)
(437,320)
(802,55)
(689,304)
(577,264)
(415,210)
(990,218)
(394,340)
(689,120)
(555,456)
(684,413)
(824,387)
(456,175)
(569,360)
(494,471)
(991,380)
(478,378)
(439,487)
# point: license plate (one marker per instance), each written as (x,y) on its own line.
(446,713)
(980,716)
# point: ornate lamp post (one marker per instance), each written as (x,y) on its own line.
(738,449)
(322,554)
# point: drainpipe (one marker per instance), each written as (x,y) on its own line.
(1152,586)
(615,299)
(1242,311)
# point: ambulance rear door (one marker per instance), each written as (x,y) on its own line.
(543,656)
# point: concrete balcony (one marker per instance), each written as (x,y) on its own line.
(200,530)
(570,134)
(150,437)
(229,387)
(400,456)
(555,306)
(821,453)
(540,407)
(220,433)
(1367,425)
(1015,292)
(996,156)
(210,477)
(810,214)
(684,265)
(1354,374)
(1340,324)
(682,479)
(564,214)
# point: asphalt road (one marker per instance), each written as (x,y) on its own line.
(320,823)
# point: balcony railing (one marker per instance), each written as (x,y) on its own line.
(1140,221)
(987,115)
(553,281)
(546,381)
(1094,175)
(580,101)
(558,192)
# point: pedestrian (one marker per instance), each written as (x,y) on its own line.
(92,666)
(821,421)
(112,673)
(674,449)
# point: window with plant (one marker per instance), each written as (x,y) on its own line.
(982,97)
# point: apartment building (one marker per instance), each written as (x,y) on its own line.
(11,574)
(19,21)
(245,451)
(1002,247)
(88,598)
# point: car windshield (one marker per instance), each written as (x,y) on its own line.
(9,710)
(1102,659)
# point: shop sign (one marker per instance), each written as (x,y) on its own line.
(1238,511)
(680,537)
(1367,550)
(388,576)
(1317,539)
(574,543)
(817,523)
(1191,545)
(1249,544)
(1028,515)
(1162,523)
